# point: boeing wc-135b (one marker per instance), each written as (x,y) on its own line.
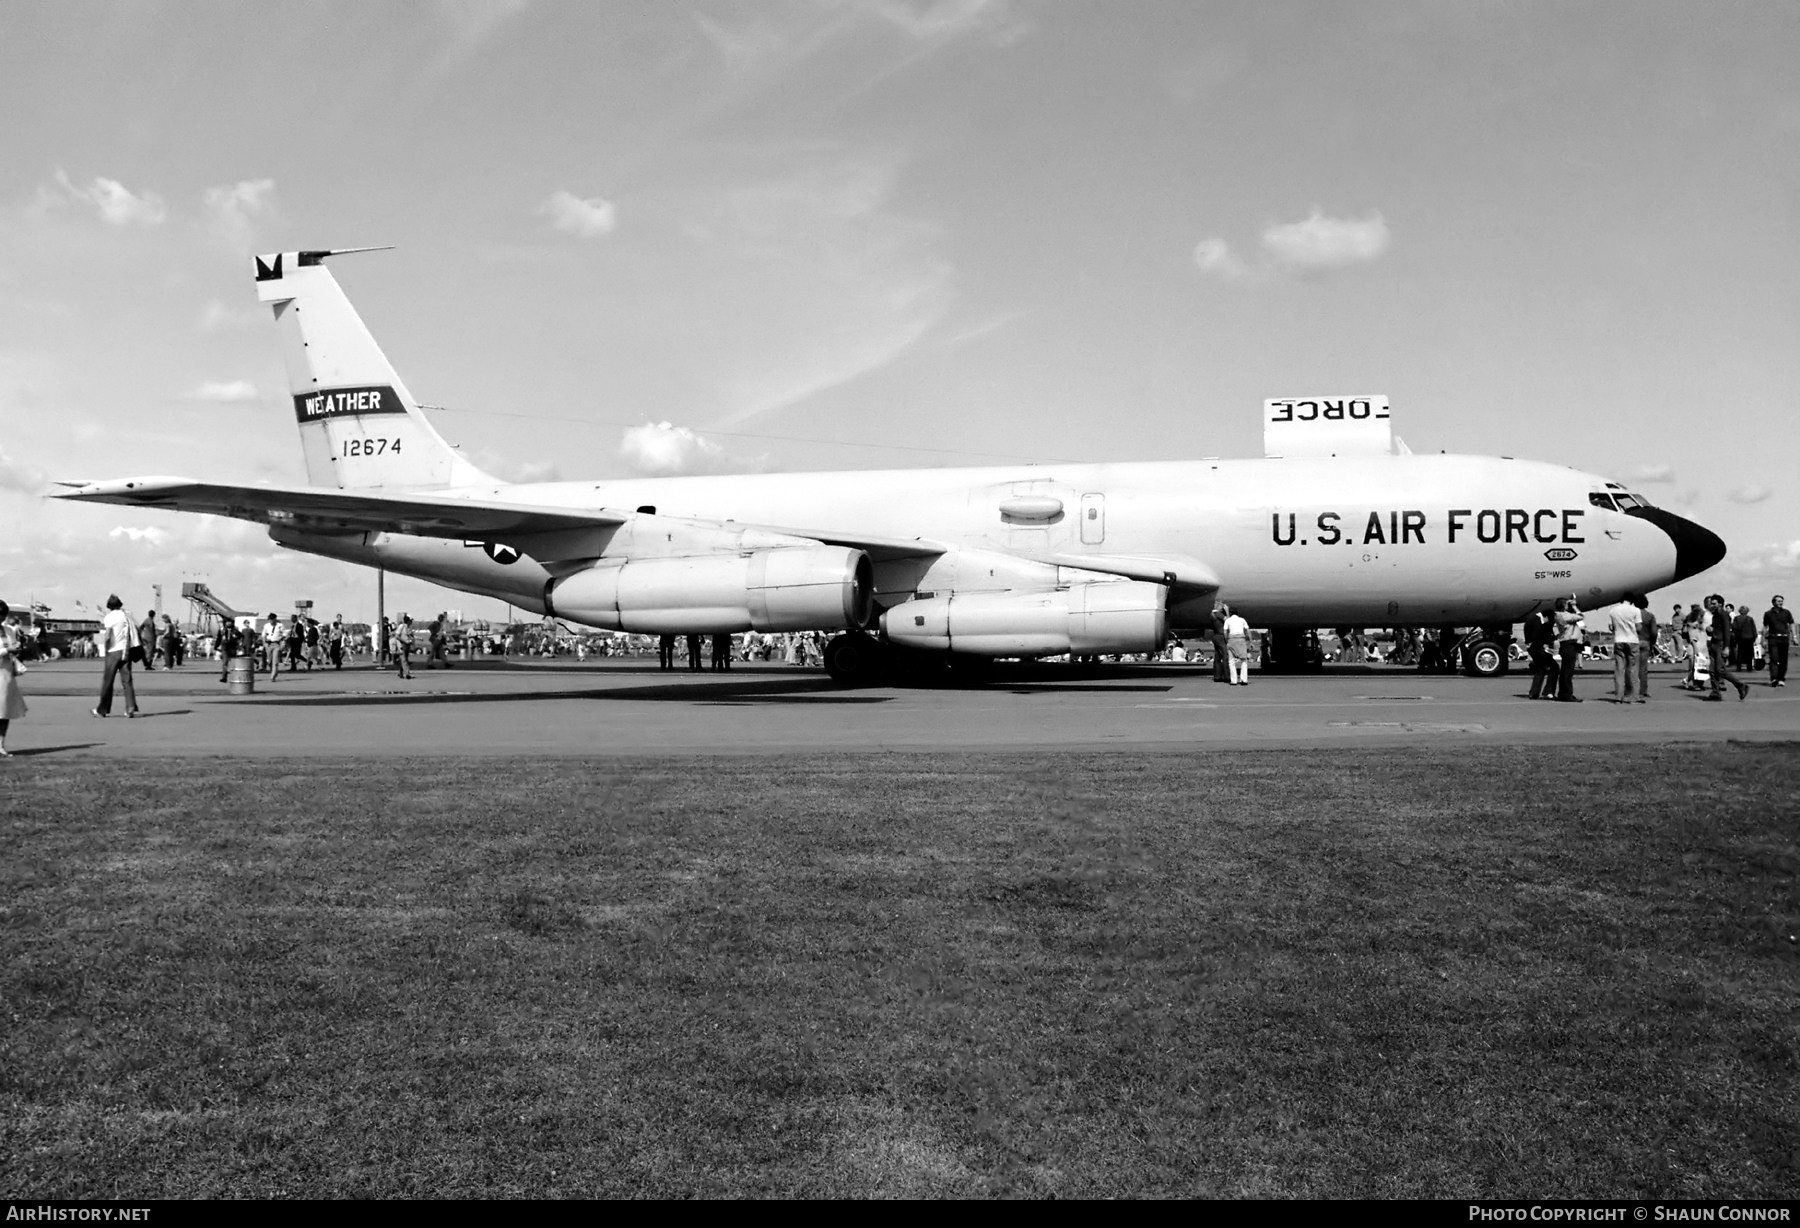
(1337,525)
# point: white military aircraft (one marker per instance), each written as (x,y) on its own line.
(1337,525)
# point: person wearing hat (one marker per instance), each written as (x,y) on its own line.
(276,637)
(231,644)
(1570,636)
(403,645)
(271,642)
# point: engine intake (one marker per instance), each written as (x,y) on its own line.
(790,588)
(1094,617)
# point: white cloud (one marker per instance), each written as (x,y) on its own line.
(759,44)
(660,449)
(151,534)
(1654,473)
(586,218)
(1751,493)
(16,475)
(982,328)
(937,20)
(509,470)
(1322,242)
(472,23)
(233,209)
(1315,245)
(841,283)
(1215,257)
(1774,560)
(748,46)
(217,317)
(225,391)
(116,204)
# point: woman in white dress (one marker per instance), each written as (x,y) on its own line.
(12,703)
(1237,643)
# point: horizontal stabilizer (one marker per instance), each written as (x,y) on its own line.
(1329,426)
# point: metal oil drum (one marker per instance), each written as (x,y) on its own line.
(240,673)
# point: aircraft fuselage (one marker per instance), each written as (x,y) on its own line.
(1407,539)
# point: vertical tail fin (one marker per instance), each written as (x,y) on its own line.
(359,426)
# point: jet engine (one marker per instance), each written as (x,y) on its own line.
(790,588)
(1091,617)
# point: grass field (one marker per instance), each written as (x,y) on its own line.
(1430,972)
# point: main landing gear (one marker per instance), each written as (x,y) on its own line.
(1291,650)
(857,658)
(1480,652)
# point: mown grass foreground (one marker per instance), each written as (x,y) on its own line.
(1443,972)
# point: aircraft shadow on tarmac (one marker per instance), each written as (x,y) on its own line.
(1070,688)
(27,751)
(812,690)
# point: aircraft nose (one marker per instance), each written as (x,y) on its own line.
(1696,547)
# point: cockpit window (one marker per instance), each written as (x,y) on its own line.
(1616,499)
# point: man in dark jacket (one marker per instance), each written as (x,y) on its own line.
(1743,639)
(147,639)
(1778,628)
(1539,631)
(229,644)
(1718,643)
(1646,645)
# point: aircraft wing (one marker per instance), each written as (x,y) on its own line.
(879,549)
(1187,577)
(1178,571)
(321,509)
(327,510)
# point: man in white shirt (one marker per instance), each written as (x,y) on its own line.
(273,642)
(1626,621)
(117,634)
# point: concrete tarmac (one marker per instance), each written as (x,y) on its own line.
(629,707)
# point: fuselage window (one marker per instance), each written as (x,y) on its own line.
(1600,498)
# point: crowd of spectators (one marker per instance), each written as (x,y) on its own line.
(301,643)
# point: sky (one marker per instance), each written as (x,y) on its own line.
(722,237)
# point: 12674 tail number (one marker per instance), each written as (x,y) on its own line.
(370,447)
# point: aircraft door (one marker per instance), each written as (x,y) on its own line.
(1093,519)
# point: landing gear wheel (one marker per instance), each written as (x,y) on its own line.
(1486,659)
(854,659)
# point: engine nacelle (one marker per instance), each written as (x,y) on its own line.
(790,588)
(1095,617)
